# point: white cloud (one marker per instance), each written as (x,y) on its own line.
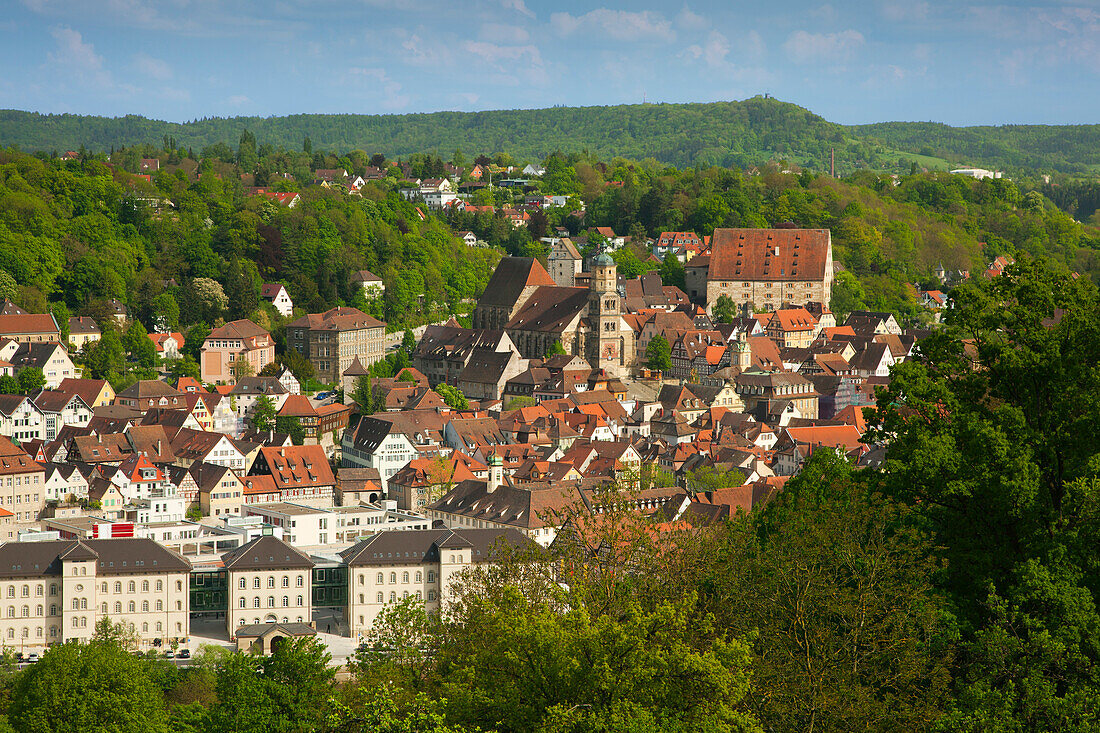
(237,100)
(518,6)
(495,53)
(805,48)
(504,32)
(72,50)
(152,67)
(714,51)
(621,25)
(419,52)
(690,21)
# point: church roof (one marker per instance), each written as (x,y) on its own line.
(512,275)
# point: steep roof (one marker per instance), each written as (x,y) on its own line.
(341,318)
(510,277)
(28,323)
(298,466)
(240,329)
(550,308)
(266,553)
(769,254)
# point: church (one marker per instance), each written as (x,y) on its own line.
(524,301)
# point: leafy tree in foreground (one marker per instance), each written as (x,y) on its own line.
(992,439)
(84,687)
(853,635)
(453,397)
(363,396)
(30,378)
(725,310)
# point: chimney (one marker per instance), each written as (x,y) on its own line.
(496,474)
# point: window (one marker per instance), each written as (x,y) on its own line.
(242,604)
(431,595)
(145,606)
(160,586)
(242,584)
(133,586)
(145,586)
(256,582)
(393,597)
(103,608)
(361,582)
(133,607)
(160,605)
(286,601)
(271,602)
(300,601)
(102,588)
(145,628)
(405,577)
(256,602)
(179,605)
(381,579)
(393,577)
(301,581)
(26,611)
(160,627)
(118,606)
(286,582)
(419,577)
(271,581)
(38,609)
(381,597)
(118,587)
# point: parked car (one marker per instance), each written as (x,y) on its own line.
(32,657)
(169,654)
(184,654)
(323,395)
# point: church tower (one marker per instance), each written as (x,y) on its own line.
(607,348)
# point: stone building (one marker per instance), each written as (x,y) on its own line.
(55,591)
(334,339)
(764,268)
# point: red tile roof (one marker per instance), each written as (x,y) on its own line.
(769,254)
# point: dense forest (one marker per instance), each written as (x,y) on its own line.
(953,589)
(742,134)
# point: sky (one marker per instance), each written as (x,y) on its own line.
(961,62)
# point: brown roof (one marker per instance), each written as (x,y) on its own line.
(14,459)
(241,329)
(769,254)
(28,323)
(509,279)
(338,319)
(265,553)
(298,466)
(23,559)
(424,545)
(88,389)
(550,308)
(297,405)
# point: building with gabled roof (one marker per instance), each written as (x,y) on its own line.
(389,567)
(331,340)
(277,295)
(70,584)
(763,267)
(30,327)
(302,473)
(268,580)
(240,339)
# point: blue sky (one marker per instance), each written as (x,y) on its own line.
(956,62)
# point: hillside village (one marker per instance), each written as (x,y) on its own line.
(246,496)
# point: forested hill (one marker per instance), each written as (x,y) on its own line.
(722,133)
(1072,149)
(740,134)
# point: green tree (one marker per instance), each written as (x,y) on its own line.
(9,288)
(363,396)
(635,670)
(263,414)
(452,396)
(709,478)
(292,426)
(30,378)
(184,366)
(105,356)
(140,347)
(286,692)
(658,354)
(556,349)
(9,384)
(725,310)
(836,584)
(408,342)
(672,272)
(990,438)
(195,338)
(84,687)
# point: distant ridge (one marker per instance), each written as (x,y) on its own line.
(740,133)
